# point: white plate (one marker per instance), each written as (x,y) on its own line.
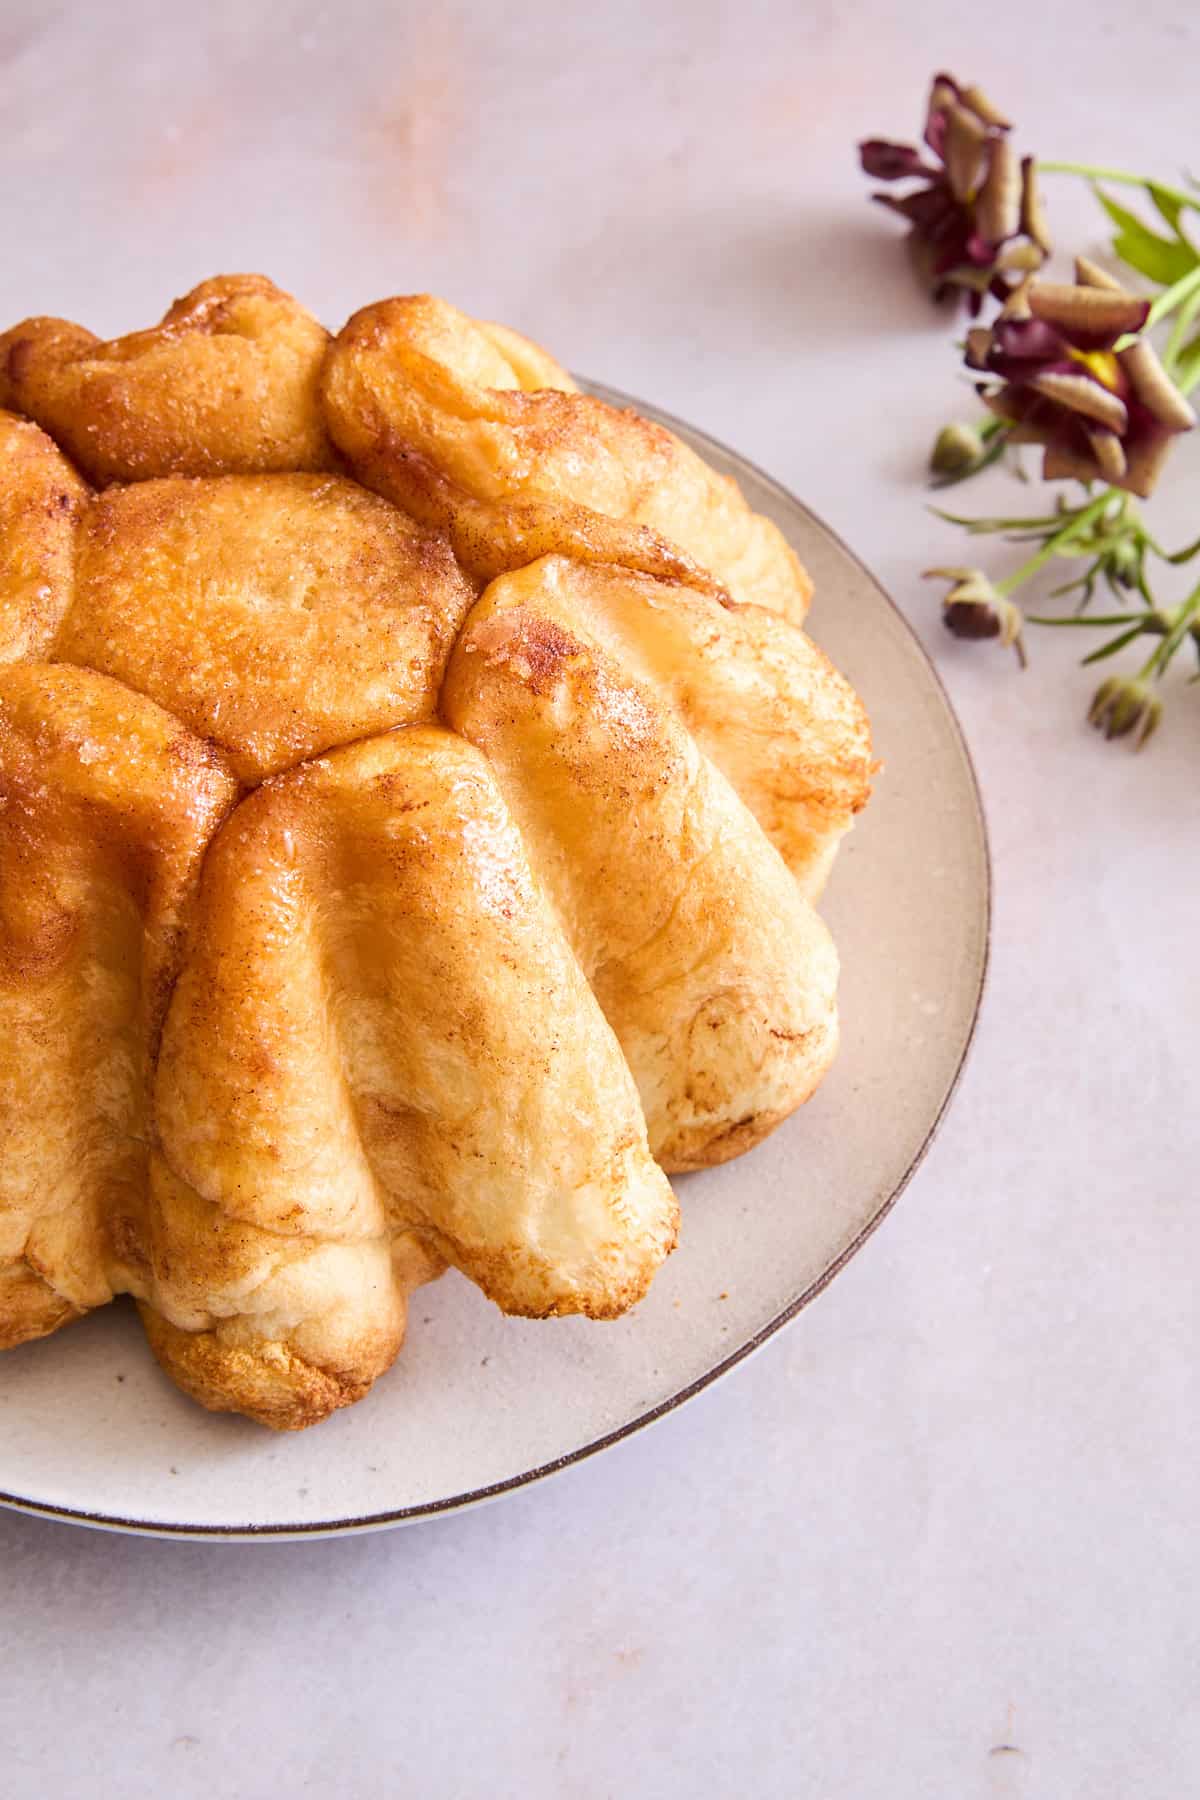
(479,1404)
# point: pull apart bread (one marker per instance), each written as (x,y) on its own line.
(414,786)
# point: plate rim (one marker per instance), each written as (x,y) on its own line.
(396,1517)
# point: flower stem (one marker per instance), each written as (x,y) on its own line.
(1077,524)
(1179,292)
(1179,556)
(1122,176)
(1179,330)
(1160,656)
(1089,621)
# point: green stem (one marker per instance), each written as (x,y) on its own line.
(1179,291)
(1088,621)
(1156,662)
(1074,526)
(1180,556)
(1179,331)
(1122,176)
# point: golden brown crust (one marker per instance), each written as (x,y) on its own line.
(717,977)
(282,1328)
(106,804)
(762,701)
(428,410)
(491,537)
(269,1062)
(227,383)
(41,502)
(269,1383)
(277,615)
(29,1307)
(381,1030)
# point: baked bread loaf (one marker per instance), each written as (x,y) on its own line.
(414,786)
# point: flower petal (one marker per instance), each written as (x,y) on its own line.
(1021,257)
(1067,465)
(1153,387)
(1033,217)
(998,209)
(1090,274)
(977,100)
(1001,401)
(1082,394)
(942,96)
(885,161)
(1109,453)
(1022,348)
(1017,304)
(1027,434)
(979,344)
(966,139)
(929,210)
(1092,317)
(1013,405)
(1147,454)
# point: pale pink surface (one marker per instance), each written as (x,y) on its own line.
(954,1508)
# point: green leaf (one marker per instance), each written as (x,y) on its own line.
(1169,205)
(1185,555)
(1122,218)
(1164,260)
(1117,643)
(1153,257)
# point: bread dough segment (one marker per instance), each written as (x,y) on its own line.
(716,975)
(41,502)
(764,704)
(382,1038)
(278,615)
(106,805)
(505,454)
(227,383)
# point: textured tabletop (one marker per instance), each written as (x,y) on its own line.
(939,1538)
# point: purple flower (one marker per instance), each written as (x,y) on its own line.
(975,222)
(1060,373)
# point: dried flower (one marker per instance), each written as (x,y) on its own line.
(1103,410)
(976,220)
(1069,368)
(975,608)
(1123,704)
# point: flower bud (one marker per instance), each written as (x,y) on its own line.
(957,450)
(975,609)
(1124,561)
(1123,704)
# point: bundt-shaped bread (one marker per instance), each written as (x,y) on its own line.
(414,786)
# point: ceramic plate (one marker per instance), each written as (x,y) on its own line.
(478,1404)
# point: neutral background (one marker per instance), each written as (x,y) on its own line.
(940,1539)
